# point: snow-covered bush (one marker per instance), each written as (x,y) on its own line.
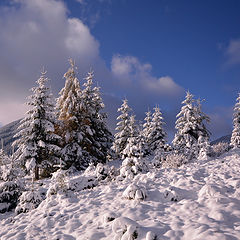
(220,148)
(174,160)
(85,180)
(58,183)
(90,178)
(132,166)
(9,195)
(125,228)
(160,155)
(10,172)
(109,217)
(134,192)
(159,158)
(204,148)
(171,195)
(30,200)
(104,172)
(4,159)
(82,182)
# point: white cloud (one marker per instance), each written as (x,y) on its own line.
(81,1)
(11,110)
(39,33)
(35,34)
(233,52)
(131,72)
(80,41)
(163,85)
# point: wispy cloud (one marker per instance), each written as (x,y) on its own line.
(39,33)
(92,11)
(131,72)
(233,52)
(35,34)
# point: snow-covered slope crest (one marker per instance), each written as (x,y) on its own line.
(200,200)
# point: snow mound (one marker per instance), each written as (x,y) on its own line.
(151,236)
(109,217)
(199,200)
(124,228)
(135,192)
(209,191)
(171,195)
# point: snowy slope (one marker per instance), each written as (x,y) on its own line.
(6,133)
(226,139)
(200,200)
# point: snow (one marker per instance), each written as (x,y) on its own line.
(199,200)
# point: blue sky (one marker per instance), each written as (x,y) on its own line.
(184,39)
(148,51)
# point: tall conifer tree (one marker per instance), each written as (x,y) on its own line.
(69,106)
(98,138)
(123,129)
(185,139)
(156,135)
(235,139)
(36,141)
(191,133)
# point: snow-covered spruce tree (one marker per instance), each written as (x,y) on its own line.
(8,170)
(185,140)
(146,132)
(132,144)
(156,137)
(123,129)
(235,139)
(192,134)
(133,162)
(98,138)
(69,107)
(37,143)
(204,147)
(4,158)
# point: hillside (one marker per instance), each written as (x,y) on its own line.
(199,200)
(6,133)
(226,139)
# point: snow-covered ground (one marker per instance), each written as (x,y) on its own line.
(200,200)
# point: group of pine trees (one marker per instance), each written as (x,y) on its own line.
(71,131)
(136,140)
(191,139)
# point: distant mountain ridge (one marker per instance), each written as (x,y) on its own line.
(6,135)
(8,131)
(226,138)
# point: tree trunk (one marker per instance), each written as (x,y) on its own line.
(36,170)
